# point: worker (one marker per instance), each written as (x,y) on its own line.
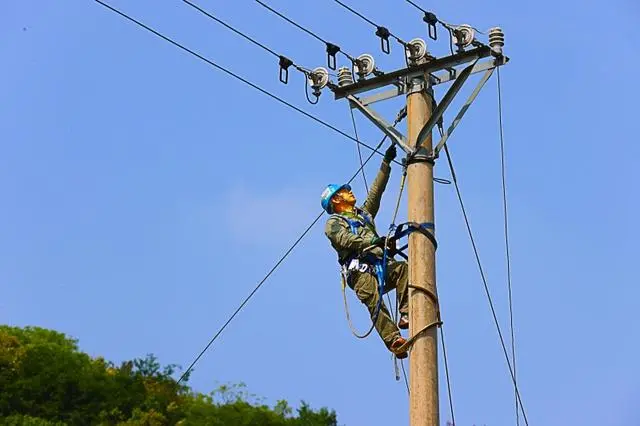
(352,229)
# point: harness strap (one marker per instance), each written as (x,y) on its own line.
(408,228)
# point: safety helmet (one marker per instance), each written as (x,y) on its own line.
(329,192)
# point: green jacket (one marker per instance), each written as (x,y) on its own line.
(339,232)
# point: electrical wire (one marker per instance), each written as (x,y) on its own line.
(506,239)
(484,280)
(446,372)
(306,30)
(237,77)
(364,18)
(399,117)
(284,61)
(264,279)
(355,132)
(240,33)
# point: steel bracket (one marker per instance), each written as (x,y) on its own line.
(436,114)
(461,113)
(398,90)
(380,122)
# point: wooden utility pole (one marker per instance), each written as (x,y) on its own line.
(423,362)
(416,83)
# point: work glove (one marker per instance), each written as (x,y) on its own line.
(390,153)
(381,241)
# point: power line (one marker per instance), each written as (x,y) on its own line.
(430,17)
(355,132)
(284,62)
(364,18)
(382,32)
(506,239)
(264,279)
(237,77)
(246,300)
(446,371)
(331,47)
(240,33)
(484,280)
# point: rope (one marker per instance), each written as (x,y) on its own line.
(346,309)
(484,280)
(506,241)
(394,314)
(401,114)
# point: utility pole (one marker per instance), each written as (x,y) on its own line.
(416,81)
(423,361)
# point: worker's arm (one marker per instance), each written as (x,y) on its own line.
(342,238)
(372,204)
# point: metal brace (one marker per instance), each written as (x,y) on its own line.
(436,115)
(463,110)
(381,123)
(398,90)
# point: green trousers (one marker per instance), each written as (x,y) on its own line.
(365,286)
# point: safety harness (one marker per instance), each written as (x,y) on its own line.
(362,262)
(366,262)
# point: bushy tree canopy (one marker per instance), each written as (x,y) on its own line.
(45,380)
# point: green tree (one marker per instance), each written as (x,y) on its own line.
(45,380)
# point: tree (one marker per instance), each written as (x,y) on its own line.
(45,380)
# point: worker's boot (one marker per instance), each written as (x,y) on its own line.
(396,345)
(403,324)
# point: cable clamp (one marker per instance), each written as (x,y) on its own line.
(284,63)
(414,158)
(384,34)
(332,50)
(431,21)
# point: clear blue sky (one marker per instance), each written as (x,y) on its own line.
(144,194)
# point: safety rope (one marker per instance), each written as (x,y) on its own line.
(399,117)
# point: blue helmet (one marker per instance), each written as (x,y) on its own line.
(329,192)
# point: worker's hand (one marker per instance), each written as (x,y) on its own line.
(390,153)
(382,241)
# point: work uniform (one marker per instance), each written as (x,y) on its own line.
(349,245)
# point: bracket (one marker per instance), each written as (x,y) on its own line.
(420,70)
(436,115)
(400,89)
(447,76)
(380,122)
(463,110)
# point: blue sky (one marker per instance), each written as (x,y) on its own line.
(145,193)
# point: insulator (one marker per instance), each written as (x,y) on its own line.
(318,79)
(416,50)
(464,35)
(365,64)
(496,41)
(344,76)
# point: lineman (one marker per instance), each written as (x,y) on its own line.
(350,230)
